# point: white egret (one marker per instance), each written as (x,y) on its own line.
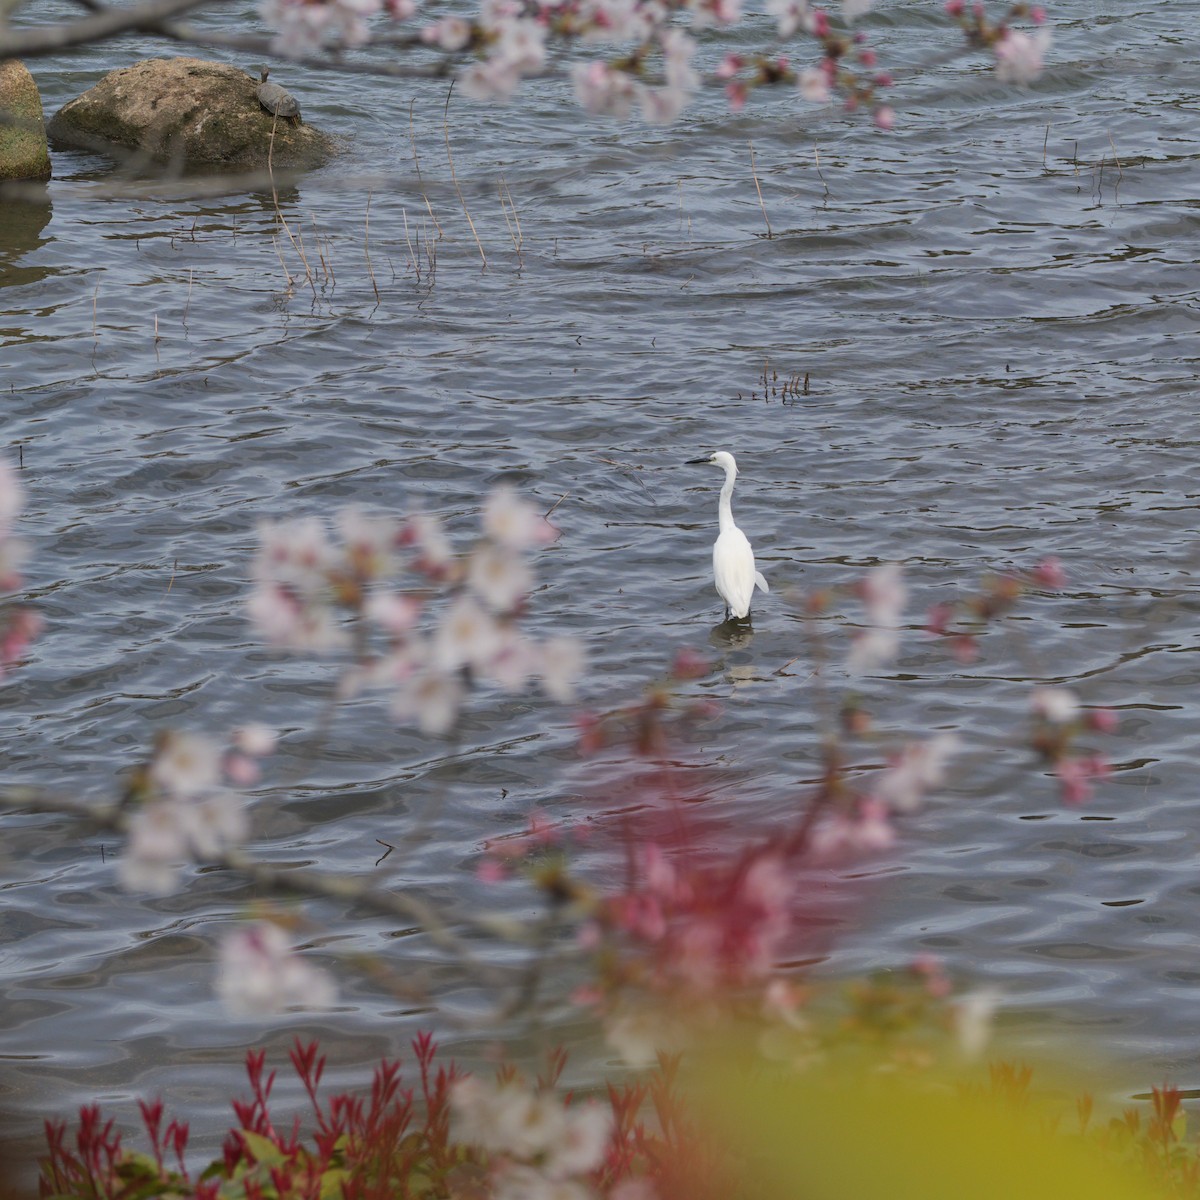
(734,571)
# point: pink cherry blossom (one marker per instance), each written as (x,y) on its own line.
(1021,57)
(1050,573)
(259,975)
(867,832)
(1077,776)
(603,91)
(513,522)
(920,767)
(450,33)
(304,28)
(813,85)
(789,15)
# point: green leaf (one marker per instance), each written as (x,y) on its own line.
(265,1151)
(333,1183)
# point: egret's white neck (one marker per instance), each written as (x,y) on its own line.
(725,511)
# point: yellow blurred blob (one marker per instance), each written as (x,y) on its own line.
(822,1134)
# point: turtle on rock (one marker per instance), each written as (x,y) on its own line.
(278,101)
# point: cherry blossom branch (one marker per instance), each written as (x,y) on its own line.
(104,24)
(302,882)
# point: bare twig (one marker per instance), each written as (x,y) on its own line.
(454,177)
(366,894)
(754,175)
(367,248)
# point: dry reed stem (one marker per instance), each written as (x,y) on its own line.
(367,249)
(412,138)
(682,214)
(325,273)
(1120,170)
(308,275)
(754,176)
(820,173)
(411,254)
(518,238)
(454,177)
(188,305)
(286,273)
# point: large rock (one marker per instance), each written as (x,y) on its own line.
(23,151)
(190,114)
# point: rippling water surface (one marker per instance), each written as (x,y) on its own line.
(995,306)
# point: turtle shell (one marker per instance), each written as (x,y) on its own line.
(278,100)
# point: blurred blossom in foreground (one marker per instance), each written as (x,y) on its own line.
(259,974)
(1057,704)
(884,594)
(974,1014)
(1021,57)
(18,626)
(423,621)
(183,809)
(538,1146)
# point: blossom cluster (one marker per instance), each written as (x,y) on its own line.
(184,804)
(654,43)
(18,625)
(260,975)
(538,1148)
(1020,56)
(862,822)
(1059,719)
(372,590)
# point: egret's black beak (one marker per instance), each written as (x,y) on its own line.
(691,462)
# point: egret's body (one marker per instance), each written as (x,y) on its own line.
(734,571)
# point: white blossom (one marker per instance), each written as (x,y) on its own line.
(1057,704)
(920,768)
(12,497)
(156,846)
(974,1014)
(789,15)
(259,974)
(562,664)
(514,522)
(1020,56)
(186,764)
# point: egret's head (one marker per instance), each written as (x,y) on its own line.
(720,458)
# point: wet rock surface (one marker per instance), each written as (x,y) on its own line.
(189,114)
(23,150)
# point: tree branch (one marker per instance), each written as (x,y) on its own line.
(104,24)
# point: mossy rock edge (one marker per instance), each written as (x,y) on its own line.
(24,153)
(189,114)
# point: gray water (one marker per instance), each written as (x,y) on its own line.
(996,308)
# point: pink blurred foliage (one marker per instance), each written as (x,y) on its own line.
(649,66)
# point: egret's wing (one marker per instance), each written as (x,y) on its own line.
(762,583)
(733,571)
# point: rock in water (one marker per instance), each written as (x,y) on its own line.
(189,113)
(23,150)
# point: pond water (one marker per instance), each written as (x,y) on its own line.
(995,306)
